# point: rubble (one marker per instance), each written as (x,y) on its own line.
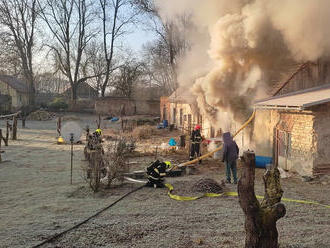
(207,185)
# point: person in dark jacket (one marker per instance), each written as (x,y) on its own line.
(230,155)
(156,172)
(196,139)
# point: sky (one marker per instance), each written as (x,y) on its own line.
(138,38)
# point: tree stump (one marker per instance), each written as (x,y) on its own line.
(260,219)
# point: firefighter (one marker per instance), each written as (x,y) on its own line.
(196,139)
(98,132)
(156,173)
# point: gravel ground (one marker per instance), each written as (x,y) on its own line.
(37,201)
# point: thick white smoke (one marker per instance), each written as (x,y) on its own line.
(249,44)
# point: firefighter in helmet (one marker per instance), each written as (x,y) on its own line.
(196,140)
(156,172)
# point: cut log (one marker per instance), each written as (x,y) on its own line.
(260,219)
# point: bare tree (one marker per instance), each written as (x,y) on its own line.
(127,78)
(71,23)
(95,64)
(115,20)
(163,53)
(10,62)
(18,17)
(50,82)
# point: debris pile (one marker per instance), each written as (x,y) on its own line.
(41,115)
(207,185)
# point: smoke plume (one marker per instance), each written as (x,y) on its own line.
(249,44)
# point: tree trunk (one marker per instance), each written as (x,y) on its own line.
(105,83)
(73,94)
(260,219)
(31,90)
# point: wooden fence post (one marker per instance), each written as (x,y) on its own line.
(0,144)
(59,126)
(7,134)
(14,128)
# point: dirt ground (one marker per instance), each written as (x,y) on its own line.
(37,201)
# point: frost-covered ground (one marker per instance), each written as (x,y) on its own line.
(37,201)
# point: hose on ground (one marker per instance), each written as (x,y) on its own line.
(56,236)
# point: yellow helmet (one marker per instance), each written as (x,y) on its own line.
(168,164)
(98,131)
(60,140)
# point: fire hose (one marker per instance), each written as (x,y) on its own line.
(219,148)
(58,235)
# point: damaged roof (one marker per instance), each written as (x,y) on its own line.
(15,83)
(298,100)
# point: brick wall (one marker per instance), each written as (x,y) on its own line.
(120,106)
(83,106)
(298,129)
(165,106)
(322,139)
(303,150)
(309,133)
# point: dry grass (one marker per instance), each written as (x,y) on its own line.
(144,132)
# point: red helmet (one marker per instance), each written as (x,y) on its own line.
(197,127)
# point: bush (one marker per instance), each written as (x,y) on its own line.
(58,104)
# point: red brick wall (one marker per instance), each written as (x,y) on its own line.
(165,105)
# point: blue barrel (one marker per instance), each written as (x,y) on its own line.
(262,161)
(165,123)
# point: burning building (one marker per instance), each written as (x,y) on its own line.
(181,110)
(250,44)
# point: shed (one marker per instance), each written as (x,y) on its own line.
(295,130)
(16,89)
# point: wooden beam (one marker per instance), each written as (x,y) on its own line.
(9,116)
